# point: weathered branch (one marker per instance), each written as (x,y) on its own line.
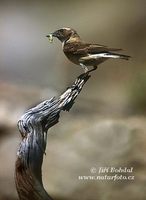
(33,127)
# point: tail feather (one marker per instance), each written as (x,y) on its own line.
(121,56)
(108,55)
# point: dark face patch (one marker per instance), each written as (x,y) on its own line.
(63,34)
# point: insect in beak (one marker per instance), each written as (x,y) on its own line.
(50,37)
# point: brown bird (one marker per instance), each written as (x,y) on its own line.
(81,53)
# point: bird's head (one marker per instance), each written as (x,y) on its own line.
(62,34)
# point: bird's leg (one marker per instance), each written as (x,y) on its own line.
(84,67)
(94,68)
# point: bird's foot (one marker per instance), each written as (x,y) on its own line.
(84,67)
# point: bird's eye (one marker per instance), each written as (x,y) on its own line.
(61,31)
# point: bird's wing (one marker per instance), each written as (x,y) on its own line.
(95,48)
(85,48)
(106,47)
(72,47)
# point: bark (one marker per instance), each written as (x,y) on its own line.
(33,126)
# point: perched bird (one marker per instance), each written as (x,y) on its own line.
(81,53)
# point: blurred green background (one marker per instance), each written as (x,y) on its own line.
(106,126)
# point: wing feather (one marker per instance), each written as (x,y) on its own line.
(85,48)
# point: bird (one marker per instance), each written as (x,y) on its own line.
(82,53)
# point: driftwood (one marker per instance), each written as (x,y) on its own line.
(33,126)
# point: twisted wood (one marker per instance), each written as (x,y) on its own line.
(33,126)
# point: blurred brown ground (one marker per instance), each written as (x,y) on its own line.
(106,126)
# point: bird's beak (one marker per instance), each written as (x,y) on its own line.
(55,34)
(51,35)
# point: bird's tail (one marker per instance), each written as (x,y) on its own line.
(117,55)
(107,55)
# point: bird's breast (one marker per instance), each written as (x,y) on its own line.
(72,57)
